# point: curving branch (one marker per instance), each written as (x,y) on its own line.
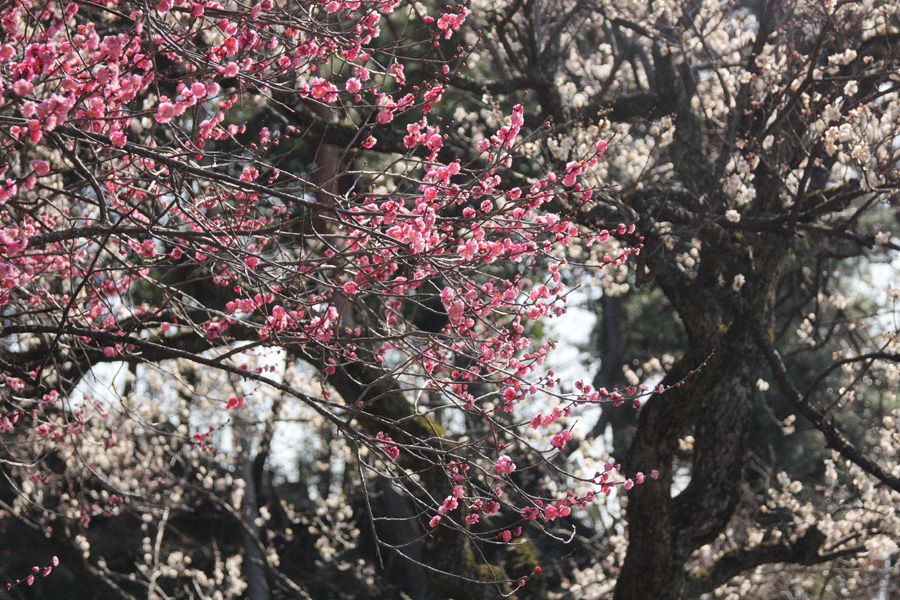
(833,436)
(504,86)
(802,551)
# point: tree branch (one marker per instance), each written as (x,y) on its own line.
(833,437)
(803,551)
(506,86)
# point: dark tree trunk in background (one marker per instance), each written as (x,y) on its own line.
(612,358)
(254,559)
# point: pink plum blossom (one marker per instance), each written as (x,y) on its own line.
(504,465)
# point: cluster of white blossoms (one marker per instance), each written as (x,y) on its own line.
(817,124)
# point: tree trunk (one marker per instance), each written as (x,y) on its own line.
(612,357)
(715,408)
(254,559)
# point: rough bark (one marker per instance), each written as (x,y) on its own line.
(714,404)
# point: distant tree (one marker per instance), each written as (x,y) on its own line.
(348,222)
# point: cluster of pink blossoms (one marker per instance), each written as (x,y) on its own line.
(35,572)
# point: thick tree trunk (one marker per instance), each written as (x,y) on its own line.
(715,407)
